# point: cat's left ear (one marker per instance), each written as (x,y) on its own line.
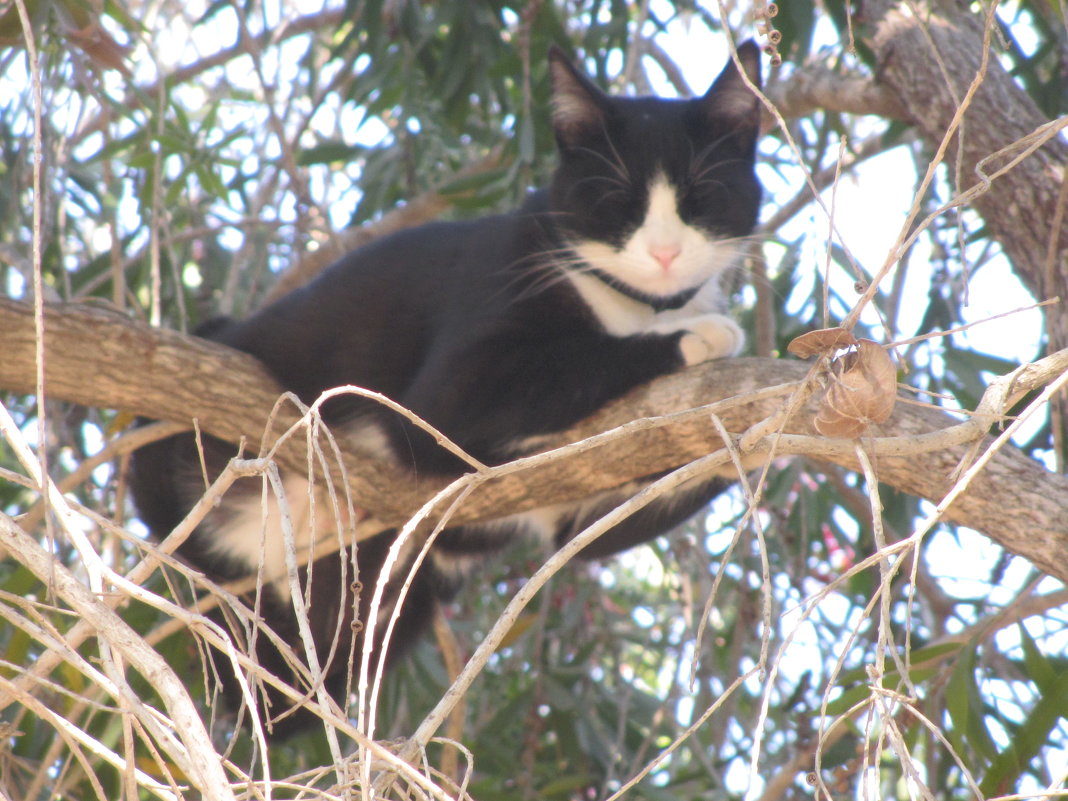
(730,101)
(579,107)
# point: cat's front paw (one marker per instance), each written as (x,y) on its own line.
(711,336)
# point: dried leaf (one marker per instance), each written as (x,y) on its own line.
(822,340)
(863,390)
(832,424)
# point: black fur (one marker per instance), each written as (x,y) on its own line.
(475,327)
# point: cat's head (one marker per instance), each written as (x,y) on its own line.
(656,195)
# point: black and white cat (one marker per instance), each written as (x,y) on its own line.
(497,331)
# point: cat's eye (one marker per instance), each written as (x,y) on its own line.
(703,198)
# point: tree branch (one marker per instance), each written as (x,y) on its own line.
(929,61)
(815,86)
(97,357)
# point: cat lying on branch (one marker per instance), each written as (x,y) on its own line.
(498,332)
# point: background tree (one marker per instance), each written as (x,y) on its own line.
(818,632)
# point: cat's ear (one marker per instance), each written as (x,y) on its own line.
(578,105)
(730,102)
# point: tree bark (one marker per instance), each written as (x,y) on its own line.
(928,54)
(818,86)
(97,357)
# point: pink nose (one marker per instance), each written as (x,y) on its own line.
(665,255)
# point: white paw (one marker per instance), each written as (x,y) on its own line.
(711,336)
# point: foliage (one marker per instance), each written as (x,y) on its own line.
(190,152)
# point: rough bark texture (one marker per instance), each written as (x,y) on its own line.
(819,86)
(95,356)
(912,42)
(99,358)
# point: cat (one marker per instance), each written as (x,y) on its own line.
(498,331)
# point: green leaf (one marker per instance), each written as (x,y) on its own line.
(1049,709)
(796,22)
(330,152)
(527,145)
(965,706)
(1040,668)
(473,184)
(564,786)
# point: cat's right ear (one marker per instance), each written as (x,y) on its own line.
(730,102)
(578,105)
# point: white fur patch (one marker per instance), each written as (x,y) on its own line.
(709,336)
(253,531)
(663,257)
(250,530)
(369,438)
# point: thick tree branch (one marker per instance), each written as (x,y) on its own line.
(929,60)
(97,357)
(816,86)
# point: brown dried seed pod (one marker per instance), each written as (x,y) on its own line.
(831,424)
(822,340)
(863,390)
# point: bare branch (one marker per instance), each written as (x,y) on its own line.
(818,86)
(1020,207)
(99,358)
(185,739)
